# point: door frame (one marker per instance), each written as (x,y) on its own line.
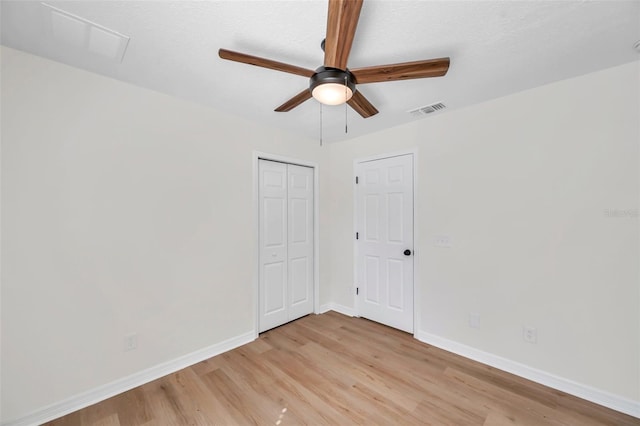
(416,253)
(256,156)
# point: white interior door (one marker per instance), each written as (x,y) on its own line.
(384,203)
(286,243)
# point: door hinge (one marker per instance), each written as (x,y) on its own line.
(356,180)
(357,290)
(357,235)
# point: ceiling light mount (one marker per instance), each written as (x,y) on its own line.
(332,86)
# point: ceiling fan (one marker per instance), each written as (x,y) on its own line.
(333,83)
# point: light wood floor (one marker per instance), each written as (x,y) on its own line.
(332,369)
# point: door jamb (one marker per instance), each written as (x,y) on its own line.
(257,155)
(416,254)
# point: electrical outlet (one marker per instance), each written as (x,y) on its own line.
(443,241)
(130,342)
(530,334)
(474,320)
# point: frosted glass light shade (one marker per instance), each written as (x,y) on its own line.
(332,93)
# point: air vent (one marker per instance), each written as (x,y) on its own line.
(86,35)
(419,112)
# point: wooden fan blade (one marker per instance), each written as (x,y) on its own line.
(295,101)
(404,71)
(342,21)
(361,105)
(264,63)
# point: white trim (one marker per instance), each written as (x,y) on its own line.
(416,253)
(124,384)
(341,309)
(416,299)
(386,155)
(324,308)
(580,390)
(257,155)
(354,286)
(316,238)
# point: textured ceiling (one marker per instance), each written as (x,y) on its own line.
(496,48)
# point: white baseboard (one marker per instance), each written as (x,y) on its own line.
(589,393)
(324,308)
(103,392)
(341,309)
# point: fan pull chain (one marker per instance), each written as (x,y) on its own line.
(320,123)
(346,130)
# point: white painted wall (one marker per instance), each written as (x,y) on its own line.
(123,210)
(522,185)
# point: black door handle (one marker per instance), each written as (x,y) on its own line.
(407,252)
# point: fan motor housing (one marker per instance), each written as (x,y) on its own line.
(326,75)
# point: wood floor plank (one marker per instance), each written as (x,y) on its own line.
(303,400)
(334,370)
(293,395)
(394,392)
(131,407)
(330,392)
(518,403)
(500,419)
(227,395)
(111,420)
(429,386)
(195,399)
(164,402)
(206,366)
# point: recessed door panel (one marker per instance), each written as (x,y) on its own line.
(300,181)
(395,174)
(299,217)
(300,280)
(395,218)
(273,179)
(274,287)
(372,217)
(395,293)
(372,177)
(372,277)
(275,221)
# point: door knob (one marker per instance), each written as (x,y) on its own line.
(407,252)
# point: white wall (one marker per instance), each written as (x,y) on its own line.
(522,185)
(123,210)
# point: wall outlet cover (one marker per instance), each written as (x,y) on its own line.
(130,342)
(530,334)
(474,320)
(443,241)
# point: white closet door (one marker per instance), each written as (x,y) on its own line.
(286,243)
(300,247)
(273,244)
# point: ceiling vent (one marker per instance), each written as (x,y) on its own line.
(419,112)
(86,35)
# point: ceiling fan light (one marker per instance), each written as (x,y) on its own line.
(332,93)
(332,86)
